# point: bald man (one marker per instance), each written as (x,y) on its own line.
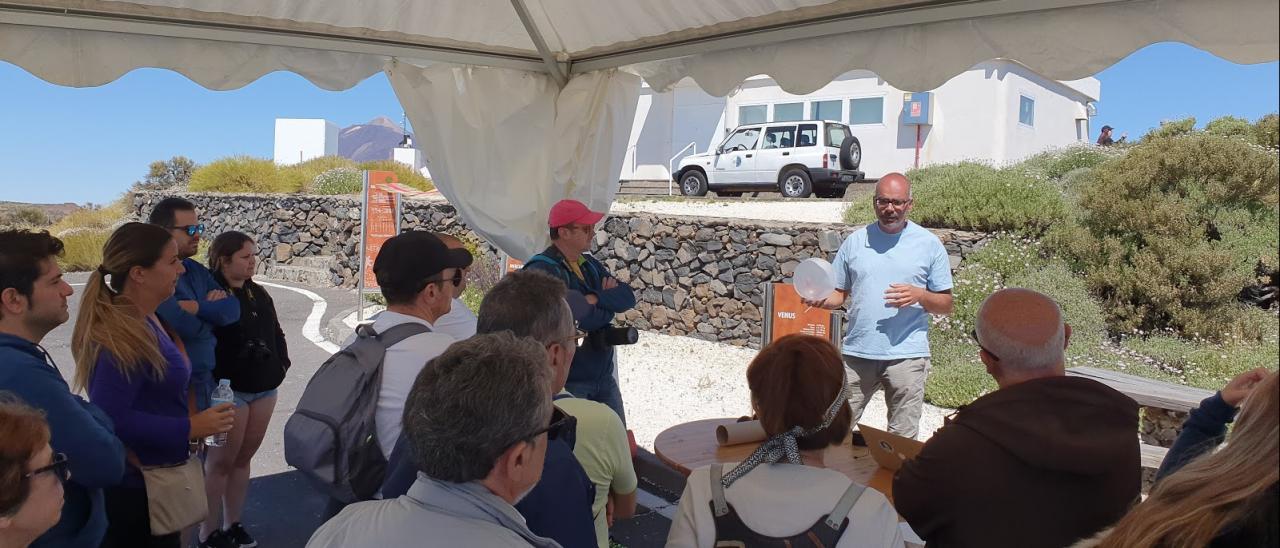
(897,273)
(460,322)
(1045,460)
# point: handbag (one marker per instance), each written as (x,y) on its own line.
(175,496)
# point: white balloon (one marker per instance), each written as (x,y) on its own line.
(814,279)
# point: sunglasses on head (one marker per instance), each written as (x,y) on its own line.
(59,467)
(191,230)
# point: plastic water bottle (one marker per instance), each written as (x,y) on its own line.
(221,394)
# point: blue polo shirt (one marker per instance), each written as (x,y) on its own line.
(869,261)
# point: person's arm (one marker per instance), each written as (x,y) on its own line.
(619,298)
(921,493)
(79,430)
(282,343)
(115,394)
(220,312)
(186,325)
(933,302)
(1206,427)
(840,265)
(622,488)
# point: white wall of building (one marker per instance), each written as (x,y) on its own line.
(976,117)
(408,156)
(298,140)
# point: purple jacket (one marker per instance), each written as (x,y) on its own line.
(150,415)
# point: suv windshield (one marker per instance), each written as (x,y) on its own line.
(836,134)
(743,139)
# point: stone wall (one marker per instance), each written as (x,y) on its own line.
(694,276)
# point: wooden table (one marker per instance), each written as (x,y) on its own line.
(693,444)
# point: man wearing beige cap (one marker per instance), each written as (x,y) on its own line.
(572,227)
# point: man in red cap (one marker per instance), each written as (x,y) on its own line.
(573,226)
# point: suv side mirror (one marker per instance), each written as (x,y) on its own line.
(719,150)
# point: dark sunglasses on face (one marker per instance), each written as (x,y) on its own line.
(59,467)
(560,423)
(974,334)
(191,230)
(456,280)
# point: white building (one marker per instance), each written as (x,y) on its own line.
(298,140)
(998,111)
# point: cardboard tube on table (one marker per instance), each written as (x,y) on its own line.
(740,432)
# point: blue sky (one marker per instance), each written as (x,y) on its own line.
(60,144)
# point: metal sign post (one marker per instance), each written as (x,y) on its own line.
(380,212)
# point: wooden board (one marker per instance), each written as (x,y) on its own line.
(693,444)
(1152,455)
(1147,392)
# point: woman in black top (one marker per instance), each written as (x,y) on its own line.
(252,354)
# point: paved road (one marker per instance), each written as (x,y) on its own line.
(283,510)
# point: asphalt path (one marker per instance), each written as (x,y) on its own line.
(282,509)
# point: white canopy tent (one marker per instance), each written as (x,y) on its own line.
(519,103)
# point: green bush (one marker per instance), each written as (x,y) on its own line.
(242,174)
(1209,365)
(1171,128)
(303,174)
(1008,255)
(342,180)
(25,216)
(101,219)
(972,196)
(1230,126)
(1267,131)
(1148,244)
(167,175)
(1056,164)
(405,174)
(82,249)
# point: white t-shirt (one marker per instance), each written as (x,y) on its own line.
(459,323)
(400,368)
(781,500)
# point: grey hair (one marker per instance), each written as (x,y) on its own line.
(1019,355)
(529,303)
(474,401)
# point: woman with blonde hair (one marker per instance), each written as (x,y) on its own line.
(31,475)
(135,371)
(1218,499)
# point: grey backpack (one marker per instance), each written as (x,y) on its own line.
(332,437)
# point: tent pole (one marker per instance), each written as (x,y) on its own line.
(558,73)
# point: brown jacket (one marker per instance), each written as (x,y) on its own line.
(1043,463)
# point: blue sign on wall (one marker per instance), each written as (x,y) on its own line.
(917,109)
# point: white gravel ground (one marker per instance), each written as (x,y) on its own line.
(669,380)
(802,211)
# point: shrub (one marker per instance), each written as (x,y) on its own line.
(1230,126)
(242,174)
(1148,243)
(405,174)
(102,219)
(167,175)
(972,196)
(82,249)
(1267,131)
(303,174)
(1171,128)
(25,216)
(1056,164)
(1205,364)
(1008,255)
(342,180)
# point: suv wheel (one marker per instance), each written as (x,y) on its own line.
(850,154)
(693,183)
(795,184)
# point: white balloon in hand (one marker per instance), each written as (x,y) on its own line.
(814,279)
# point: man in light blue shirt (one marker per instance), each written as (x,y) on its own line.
(896,273)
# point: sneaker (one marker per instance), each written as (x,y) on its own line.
(240,537)
(218,539)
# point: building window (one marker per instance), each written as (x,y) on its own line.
(825,110)
(1027,111)
(868,110)
(788,112)
(754,114)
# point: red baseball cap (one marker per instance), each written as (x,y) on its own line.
(572,211)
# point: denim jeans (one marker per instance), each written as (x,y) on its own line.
(604,390)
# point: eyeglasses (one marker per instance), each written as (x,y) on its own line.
(59,466)
(974,334)
(585,228)
(456,280)
(191,230)
(561,423)
(895,203)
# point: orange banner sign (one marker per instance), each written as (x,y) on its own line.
(512,266)
(380,219)
(789,315)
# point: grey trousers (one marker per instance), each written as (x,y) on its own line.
(903,382)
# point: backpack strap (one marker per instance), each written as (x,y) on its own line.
(836,518)
(540,258)
(394,334)
(718,505)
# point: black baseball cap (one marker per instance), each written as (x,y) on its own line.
(410,257)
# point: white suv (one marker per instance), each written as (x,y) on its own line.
(797,159)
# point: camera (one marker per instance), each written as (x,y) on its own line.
(613,335)
(255,351)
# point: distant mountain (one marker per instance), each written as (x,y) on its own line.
(52,212)
(370,141)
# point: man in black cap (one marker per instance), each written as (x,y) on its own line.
(1104,138)
(416,273)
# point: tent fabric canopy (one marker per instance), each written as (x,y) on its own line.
(521,102)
